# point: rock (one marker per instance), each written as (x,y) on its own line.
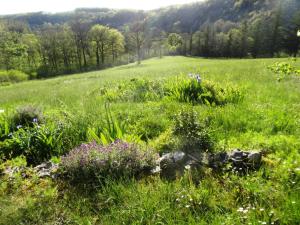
(46,169)
(218,161)
(11,171)
(254,159)
(245,161)
(172,165)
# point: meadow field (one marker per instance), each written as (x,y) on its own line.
(265,118)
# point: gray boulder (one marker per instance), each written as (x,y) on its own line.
(47,169)
(172,165)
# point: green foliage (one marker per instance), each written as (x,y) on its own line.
(166,142)
(4,128)
(37,143)
(193,134)
(174,41)
(193,90)
(112,131)
(149,127)
(137,90)
(267,119)
(284,70)
(12,76)
(27,115)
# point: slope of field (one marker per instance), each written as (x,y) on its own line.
(267,119)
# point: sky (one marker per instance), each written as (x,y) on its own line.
(23,6)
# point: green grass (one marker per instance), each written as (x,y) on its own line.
(267,119)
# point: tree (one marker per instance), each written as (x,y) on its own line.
(116,43)
(100,36)
(66,45)
(80,28)
(175,42)
(235,43)
(32,44)
(12,50)
(138,37)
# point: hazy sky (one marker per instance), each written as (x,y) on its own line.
(21,6)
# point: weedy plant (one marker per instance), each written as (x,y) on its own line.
(12,76)
(194,90)
(92,163)
(4,128)
(187,134)
(112,130)
(27,115)
(37,143)
(136,90)
(193,134)
(284,70)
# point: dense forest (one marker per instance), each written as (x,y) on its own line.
(42,44)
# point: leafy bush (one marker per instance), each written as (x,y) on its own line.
(283,70)
(193,134)
(37,143)
(4,128)
(111,131)
(28,115)
(166,142)
(137,90)
(193,90)
(149,127)
(91,162)
(12,76)
(187,134)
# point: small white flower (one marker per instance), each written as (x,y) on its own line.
(245,211)
(263,223)
(240,209)
(187,167)
(293,202)
(298,33)
(262,210)
(1,110)
(187,206)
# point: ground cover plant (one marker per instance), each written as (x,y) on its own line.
(66,115)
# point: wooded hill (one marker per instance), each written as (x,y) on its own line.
(62,42)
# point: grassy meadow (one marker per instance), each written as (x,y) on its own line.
(266,119)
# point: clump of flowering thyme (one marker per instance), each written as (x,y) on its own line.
(92,162)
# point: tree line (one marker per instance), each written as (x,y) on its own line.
(84,43)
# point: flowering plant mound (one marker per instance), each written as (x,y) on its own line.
(93,162)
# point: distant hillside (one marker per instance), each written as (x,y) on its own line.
(183,18)
(93,38)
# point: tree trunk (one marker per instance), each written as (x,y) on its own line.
(97,55)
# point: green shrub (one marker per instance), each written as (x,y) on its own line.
(193,134)
(187,134)
(284,70)
(111,131)
(4,128)
(149,127)
(166,142)
(195,91)
(12,76)
(91,163)
(136,90)
(28,115)
(38,143)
